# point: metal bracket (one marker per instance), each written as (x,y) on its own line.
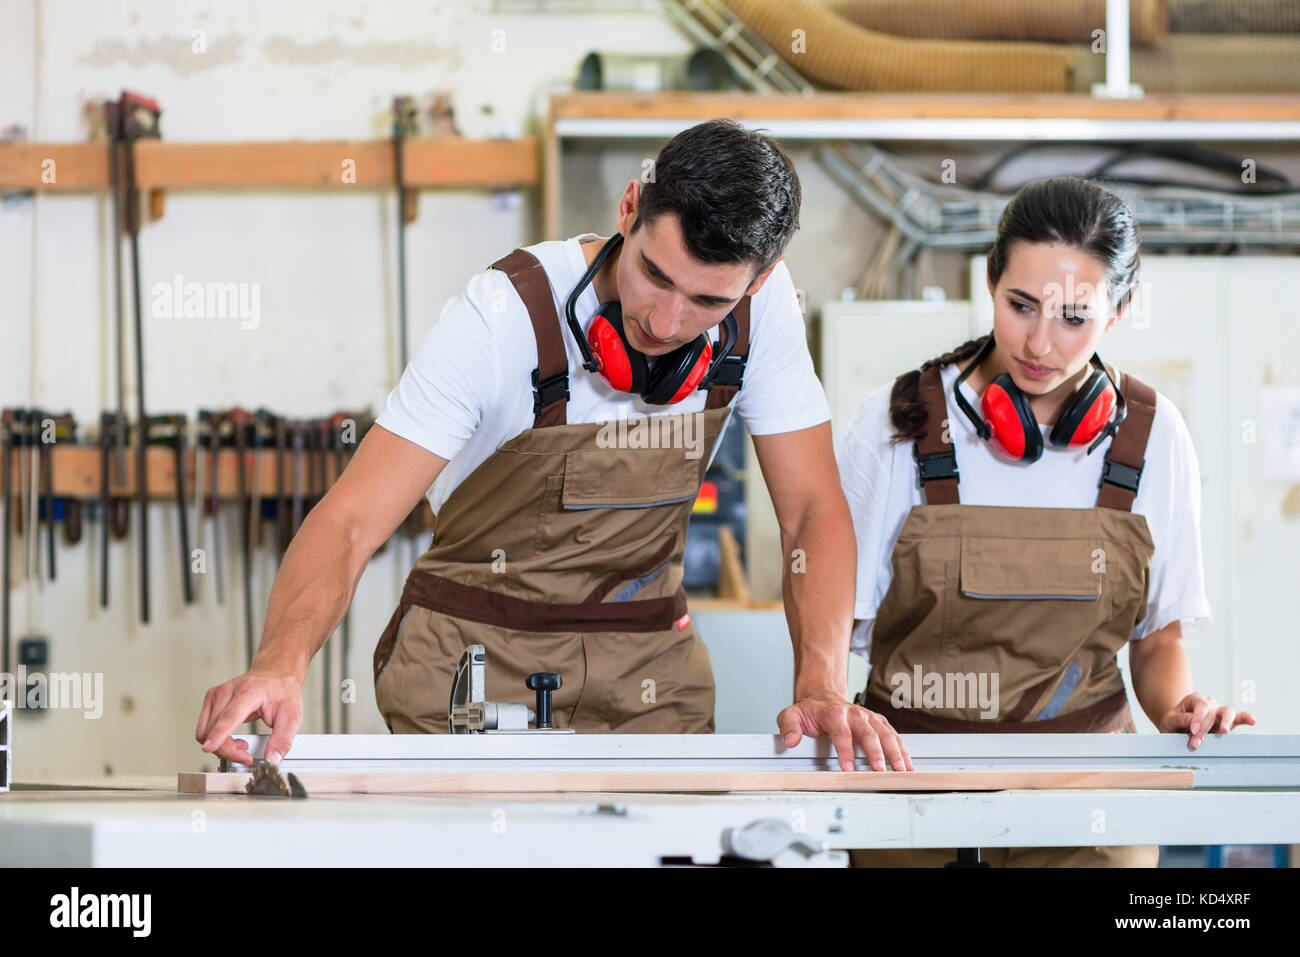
(468,711)
(6,738)
(768,839)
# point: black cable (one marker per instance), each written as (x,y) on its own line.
(1174,152)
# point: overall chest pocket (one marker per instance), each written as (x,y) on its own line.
(1012,568)
(601,478)
(1026,600)
(616,500)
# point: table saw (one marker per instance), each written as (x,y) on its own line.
(1244,788)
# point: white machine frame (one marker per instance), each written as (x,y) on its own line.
(1243,760)
(1247,791)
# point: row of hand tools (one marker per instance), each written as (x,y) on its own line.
(282,467)
(305,451)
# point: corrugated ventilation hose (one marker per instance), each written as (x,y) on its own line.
(842,55)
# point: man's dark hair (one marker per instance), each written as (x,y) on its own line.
(735,193)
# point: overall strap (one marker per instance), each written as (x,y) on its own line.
(936,459)
(1122,469)
(731,373)
(551,377)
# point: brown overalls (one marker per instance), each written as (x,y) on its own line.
(1042,597)
(559,554)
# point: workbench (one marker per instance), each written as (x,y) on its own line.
(1247,791)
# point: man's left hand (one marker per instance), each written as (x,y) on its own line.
(846,724)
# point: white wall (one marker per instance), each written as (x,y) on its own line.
(325,267)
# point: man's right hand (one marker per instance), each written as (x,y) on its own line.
(275,697)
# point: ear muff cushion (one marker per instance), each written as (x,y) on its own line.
(695,375)
(1086,415)
(671,379)
(620,365)
(1007,411)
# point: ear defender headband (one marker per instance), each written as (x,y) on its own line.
(1009,425)
(606,350)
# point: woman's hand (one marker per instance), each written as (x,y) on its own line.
(1198,715)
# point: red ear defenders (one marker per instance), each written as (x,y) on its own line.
(605,349)
(1009,425)
(673,377)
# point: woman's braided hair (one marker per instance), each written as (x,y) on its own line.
(907,412)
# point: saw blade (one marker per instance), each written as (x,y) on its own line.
(268,782)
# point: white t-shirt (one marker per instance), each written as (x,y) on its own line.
(468,389)
(880,482)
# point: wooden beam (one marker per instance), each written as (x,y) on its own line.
(552,182)
(731,569)
(77,475)
(73,166)
(457,782)
(77,472)
(1261,108)
(448,162)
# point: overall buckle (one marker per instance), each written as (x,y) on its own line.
(936,465)
(549,390)
(1124,476)
(731,371)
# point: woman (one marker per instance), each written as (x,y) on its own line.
(1023,511)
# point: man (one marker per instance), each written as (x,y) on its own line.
(560,528)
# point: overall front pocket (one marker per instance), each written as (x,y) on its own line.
(610,502)
(1024,604)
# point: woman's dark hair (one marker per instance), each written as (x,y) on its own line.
(735,193)
(1066,211)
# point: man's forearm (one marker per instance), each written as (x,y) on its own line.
(310,594)
(817,582)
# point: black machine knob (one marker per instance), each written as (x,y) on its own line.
(543,682)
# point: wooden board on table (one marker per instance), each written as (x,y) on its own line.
(471,782)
